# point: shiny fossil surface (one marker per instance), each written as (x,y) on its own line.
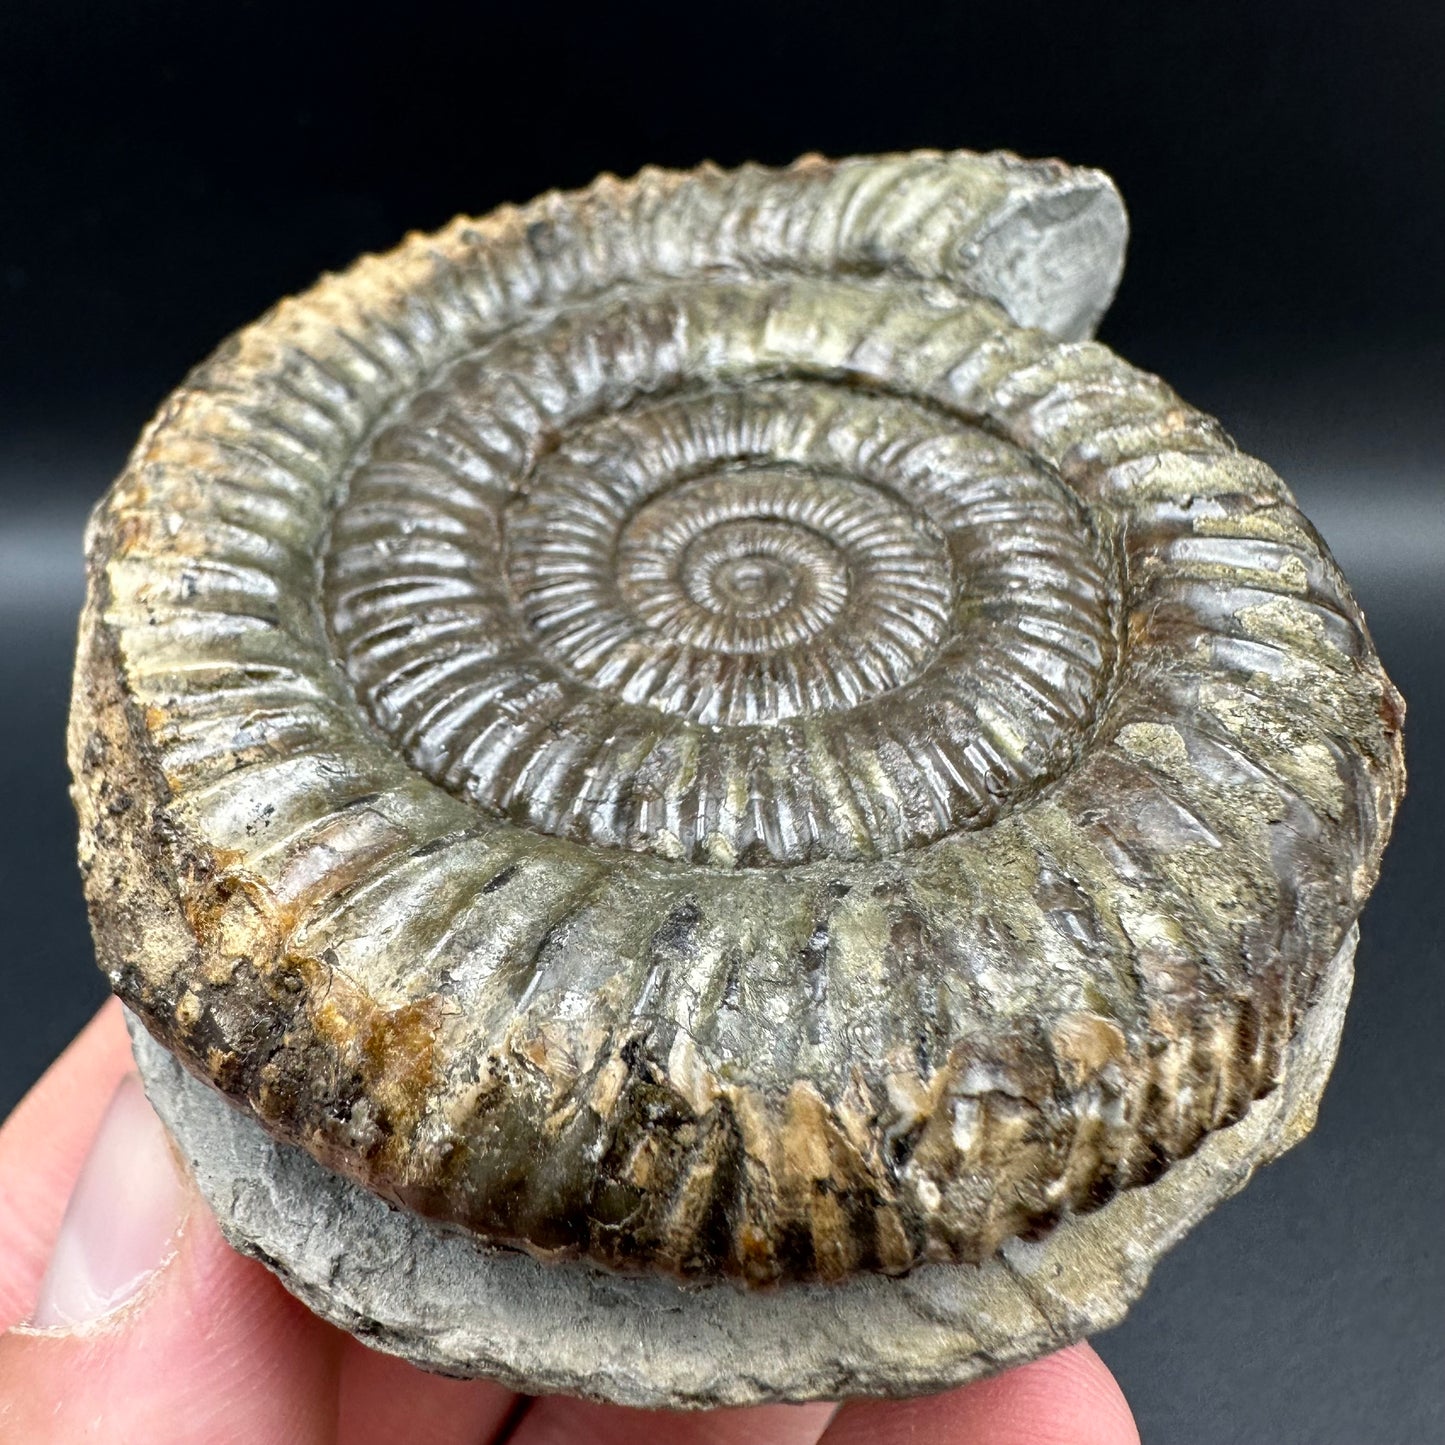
(449,1303)
(697,725)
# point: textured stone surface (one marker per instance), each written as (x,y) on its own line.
(692,725)
(450,1304)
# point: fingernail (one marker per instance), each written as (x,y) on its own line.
(121,1223)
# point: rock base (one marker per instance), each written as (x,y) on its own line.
(449,1304)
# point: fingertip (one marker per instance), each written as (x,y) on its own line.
(212,1348)
(385,1399)
(560,1420)
(1067,1398)
(1074,1394)
(149,1339)
(42,1146)
(101,1048)
(121,1223)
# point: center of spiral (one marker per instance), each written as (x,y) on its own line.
(724,564)
(750,586)
(754,625)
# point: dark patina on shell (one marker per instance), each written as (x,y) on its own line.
(697,724)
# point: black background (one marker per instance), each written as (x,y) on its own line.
(168,170)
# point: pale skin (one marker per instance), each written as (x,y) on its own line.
(208,1349)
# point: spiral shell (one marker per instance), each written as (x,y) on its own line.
(695,724)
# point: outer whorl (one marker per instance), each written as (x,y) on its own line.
(696,724)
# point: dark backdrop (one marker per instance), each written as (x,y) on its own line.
(167,170)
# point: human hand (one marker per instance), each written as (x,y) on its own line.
(145,1328)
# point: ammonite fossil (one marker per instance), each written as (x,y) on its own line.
(698,741)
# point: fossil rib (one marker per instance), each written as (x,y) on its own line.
(695,724)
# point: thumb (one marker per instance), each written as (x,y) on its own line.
(148,1327)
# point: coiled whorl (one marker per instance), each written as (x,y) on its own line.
(696,723)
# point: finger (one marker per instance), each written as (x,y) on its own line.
(1069,1398)
(558,1421)
(42,1145)
(149,1327)
(385,1400)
